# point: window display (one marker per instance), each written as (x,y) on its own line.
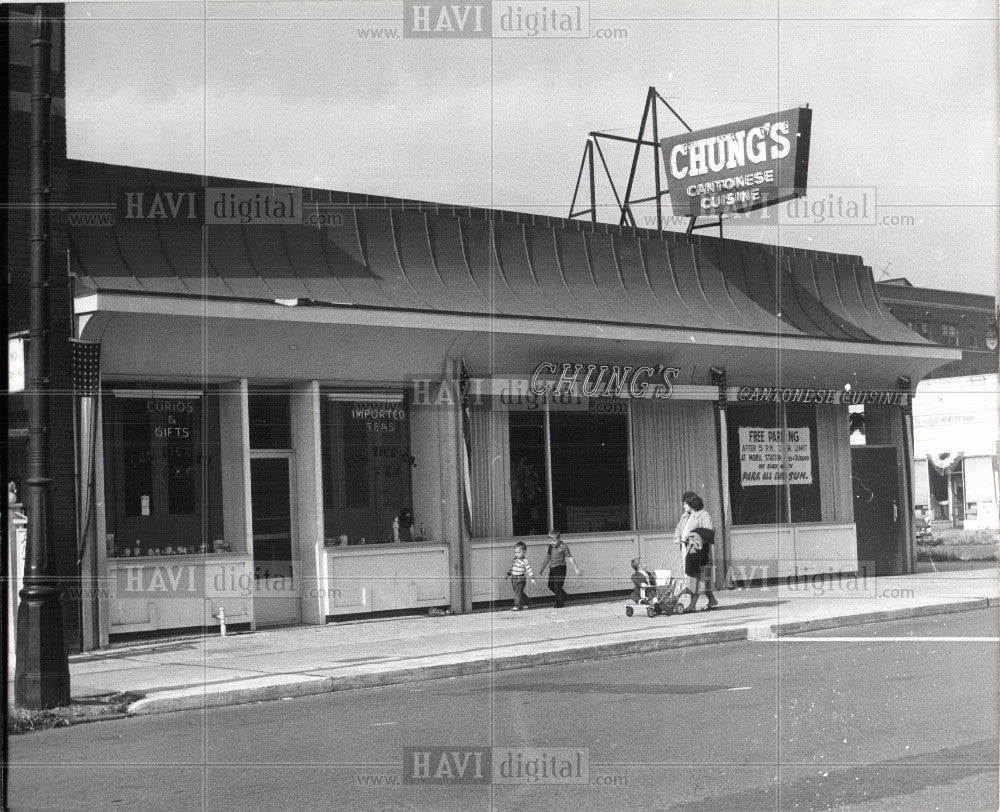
(587,455)
(162,477)
(528,482)
(367,465)
(590,472)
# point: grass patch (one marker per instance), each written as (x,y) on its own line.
(937,554)
(20,720)
(92,709)
(951,536)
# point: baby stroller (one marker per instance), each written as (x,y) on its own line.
(661,597)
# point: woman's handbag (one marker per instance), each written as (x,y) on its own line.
(699,550)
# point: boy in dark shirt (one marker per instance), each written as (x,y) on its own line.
(555,559)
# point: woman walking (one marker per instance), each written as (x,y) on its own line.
(555,559)
(696,555)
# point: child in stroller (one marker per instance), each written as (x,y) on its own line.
(658,591)
(641,579)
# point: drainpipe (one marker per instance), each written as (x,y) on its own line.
(464,537)
(909,528)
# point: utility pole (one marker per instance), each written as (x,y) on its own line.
(41,676)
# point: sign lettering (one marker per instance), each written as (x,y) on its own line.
(770,456)
(778,394)
(739,167)
(593,381)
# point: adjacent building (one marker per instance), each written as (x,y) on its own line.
(965,321)
(955,410)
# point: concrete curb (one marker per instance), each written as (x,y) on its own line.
(282,686)
(798,627)
(257,689)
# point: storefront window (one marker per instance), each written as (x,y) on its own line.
(528,492)
(803,480)
(773,464)
(754,498)
(588,459)
(162,478)
(367,496)
(590,472)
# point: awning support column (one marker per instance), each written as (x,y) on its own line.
(453,490)
(722,456)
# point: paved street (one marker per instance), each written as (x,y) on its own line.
(865,718)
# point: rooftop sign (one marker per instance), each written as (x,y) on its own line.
(739,167)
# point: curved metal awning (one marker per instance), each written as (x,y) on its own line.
(383,255)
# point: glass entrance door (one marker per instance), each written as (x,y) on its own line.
(275,559)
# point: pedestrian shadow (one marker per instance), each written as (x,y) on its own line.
(726,606)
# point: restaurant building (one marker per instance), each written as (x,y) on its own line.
(319,404)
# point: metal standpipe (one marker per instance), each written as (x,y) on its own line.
(220,615)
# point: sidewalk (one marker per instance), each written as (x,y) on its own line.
(211,671)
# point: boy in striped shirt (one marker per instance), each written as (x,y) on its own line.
(519,572)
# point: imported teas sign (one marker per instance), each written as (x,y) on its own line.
(385,417)
(775,456)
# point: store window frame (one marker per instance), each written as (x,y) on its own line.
(783,492)
(162,476)
(546,413)
(359,500)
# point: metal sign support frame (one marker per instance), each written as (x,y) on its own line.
(625,202)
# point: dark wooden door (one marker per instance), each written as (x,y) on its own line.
(877,513)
